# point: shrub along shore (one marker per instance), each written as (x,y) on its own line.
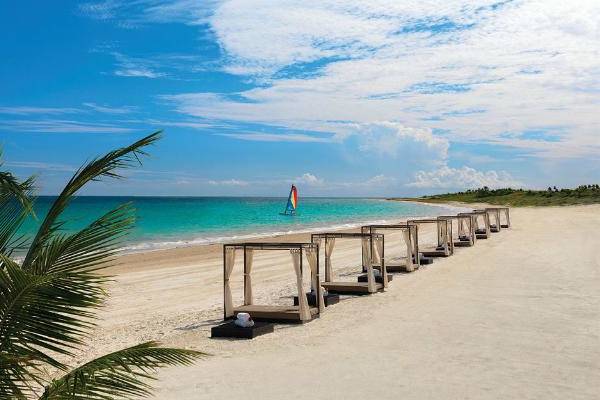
(553,196)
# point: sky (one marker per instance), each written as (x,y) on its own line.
(340,97)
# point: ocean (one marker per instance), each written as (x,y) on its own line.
(167,222)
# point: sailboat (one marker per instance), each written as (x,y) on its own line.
(292,203)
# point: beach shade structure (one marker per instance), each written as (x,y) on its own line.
(482,224)
(494,215)
(443,246)
(499,212)
(372,249)
(301,313)
(407,246)
(463,229)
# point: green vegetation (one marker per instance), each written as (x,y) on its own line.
(584,194)
(48,300)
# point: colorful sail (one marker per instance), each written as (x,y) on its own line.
(294,197)
(292,203)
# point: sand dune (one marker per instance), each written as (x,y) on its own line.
(516,316)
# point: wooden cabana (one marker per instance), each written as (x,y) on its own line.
(444,246)
(482,224)
(372,250)
(273,313)
(494,215)
(464,234)
(502,211)
(410,262)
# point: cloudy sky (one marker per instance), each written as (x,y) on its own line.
(342,97)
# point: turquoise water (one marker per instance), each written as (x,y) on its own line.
(164,222)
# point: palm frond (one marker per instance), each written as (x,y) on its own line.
(89,249)
(50,310)
(43,312)
(15,206)
(10,185)
(47,305)
(120,375)
(106,166)
(14,375)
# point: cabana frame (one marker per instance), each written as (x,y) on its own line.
(494,215)
(411,239)
(484,217)
(445,245)
(288,314)
(369,241)
(465,232)
(506,212)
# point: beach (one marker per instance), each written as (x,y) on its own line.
(515,316)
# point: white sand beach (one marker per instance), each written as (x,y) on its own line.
(516,316)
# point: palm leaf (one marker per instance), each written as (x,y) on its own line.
(106,166)
(120,375)
(50,310)
(15,206)
(88,250)
(41,312)
(47,304)
(14,375)
(10,185)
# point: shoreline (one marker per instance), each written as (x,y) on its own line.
(147,246)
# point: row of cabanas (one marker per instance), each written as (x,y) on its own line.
(461,230)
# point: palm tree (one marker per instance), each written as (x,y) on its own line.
(49,300)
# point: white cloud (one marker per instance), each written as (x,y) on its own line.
(309,179)
(40,166)
(394,139)
(110,110)
(26,110)
(60,126)
(228,182)
(138,72)
(440,71)
(380,180)
(520,64)
(462,178)
(276,137)
(377,181)
(136,67)
(133,13)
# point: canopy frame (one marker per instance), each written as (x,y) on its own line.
(466,219)
(506,212)
(412,262)
(371,237)
(486,223)
(444,236)
(494,215)
(249,248)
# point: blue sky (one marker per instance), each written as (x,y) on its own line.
(340,97)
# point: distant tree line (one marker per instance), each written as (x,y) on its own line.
(581,190)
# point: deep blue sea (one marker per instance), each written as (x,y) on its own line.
(164,222)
